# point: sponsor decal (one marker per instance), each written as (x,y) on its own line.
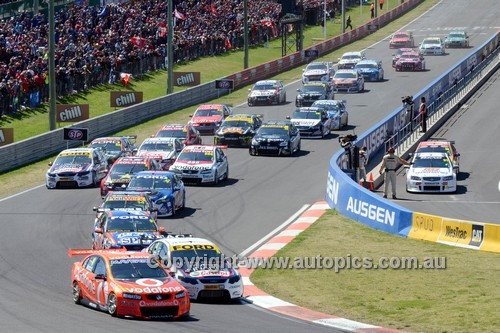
(125,98)
(6,136)
(332,189)
(193,247)
(455,232)
(149,282)
(149,290)
(72,112)
(477,235)
(128,217)
(376,139)
(371,211)
(125,303)
(425,226)
(210,273)
(82,276)
(78,134)
(187,78)
(157,303)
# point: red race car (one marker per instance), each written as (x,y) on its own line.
(410,61)
(395,57)
(127,284)
(187,133)
(208,117)
(401,39)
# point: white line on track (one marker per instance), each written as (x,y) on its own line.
(275,231)
(25,191)
(499,186)
(467,202)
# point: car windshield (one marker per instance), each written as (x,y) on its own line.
(130,223)
(457,35)
(193,260)
(348,75)
(207,113)
(197,156)
(122,169)
(430,42)
(130,204)
(400,36)
(366,66)
(107,146)
(177,133)
(264,87)
(306,115)
(128,269)
(426,162)
(309,89)
(72,159)
(327,106)
(316,67)
(350,57)
(273,131)
(236,123)
(153,146)
(163,183)
(433,149)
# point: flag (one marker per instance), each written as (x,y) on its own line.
(179,15)
(138,41)
(105,11)
(212,8)
(125,78)
(227,43)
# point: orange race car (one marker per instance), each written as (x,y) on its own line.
(125,284)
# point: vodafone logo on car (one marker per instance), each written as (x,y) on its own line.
(149,282)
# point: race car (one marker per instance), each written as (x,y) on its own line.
(117,200)
(131,229)
(318,72)
(311,121)
(336,110)
(457,38)
(431,172)
(371,70)
(165,189)
(267,92)
(187,133)
(401,39)
(444,146)
(208,117)
(238,130)
(433,46)
(350,59)
(200,267)
(115,146)
(277,138)
(410,61)
(202,164)
(125,284)
(122,170)
(78,167)
(397,55)
(349,80)
(163,150)
(312,92)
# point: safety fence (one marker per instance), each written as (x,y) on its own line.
(42,146)
(444,95)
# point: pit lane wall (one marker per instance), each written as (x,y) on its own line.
(357,203)
(42,146)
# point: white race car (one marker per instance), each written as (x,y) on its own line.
(313,122)
(202,164)
(350,59)
(318,72)
(199,266)
(164,150)
(432,45)
(267,92)
(431,172)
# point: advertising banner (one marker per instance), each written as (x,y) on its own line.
(72,112)
(125,98)
(6,136)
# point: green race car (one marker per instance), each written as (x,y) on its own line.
(457,38)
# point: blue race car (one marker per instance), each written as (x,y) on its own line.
(371,70)
(336,110)
(165,189)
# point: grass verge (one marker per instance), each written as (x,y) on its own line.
(33,174)
(461,298)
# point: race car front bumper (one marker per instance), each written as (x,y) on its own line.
(348,89)
(164,207)
(238,141)
(431,51)
(206,128)
(196,176)
(422,186)
(80,179)
(263,100)
(212,287)
(149,307)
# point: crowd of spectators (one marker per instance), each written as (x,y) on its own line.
(94,45)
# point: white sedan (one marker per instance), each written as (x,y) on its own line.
(431,172)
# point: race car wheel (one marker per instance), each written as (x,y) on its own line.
(252,151)
(173,208)
(226,175)
(76,293)
(298,147)
(322,130)
(216,178)
(112,305)
(284,99)
(95,181)
(183,201)
(362,88)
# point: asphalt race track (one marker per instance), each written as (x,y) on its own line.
(478,191)
(40,225)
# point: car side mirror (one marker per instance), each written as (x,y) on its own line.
(161,230)
(287,117)
(100,277)
(298,90)
(50,163)
(457,154)
(94,209)
(190,115)
(249,89)
(406,166)
(98,230)
(171,274)
(410,154)
(303,69)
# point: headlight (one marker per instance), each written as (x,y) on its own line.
(305,78)
(415,178)
(315,127)
(255,142)
(131,296)
(161,200)
(234,279)
(182,294)
(206,171)
(186,279)
(52,175)
(108,183)
(448,178)
(283,144)
(83,173)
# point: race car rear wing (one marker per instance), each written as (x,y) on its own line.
(86,252)
(172,235)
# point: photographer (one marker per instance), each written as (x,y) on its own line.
(408,106)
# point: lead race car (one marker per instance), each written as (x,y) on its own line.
(201,164)
(208,117)
(431,172)
(200,267)
(165,189)
(126,284)
(267,92)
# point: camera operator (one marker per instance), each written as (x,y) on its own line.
(408,106)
